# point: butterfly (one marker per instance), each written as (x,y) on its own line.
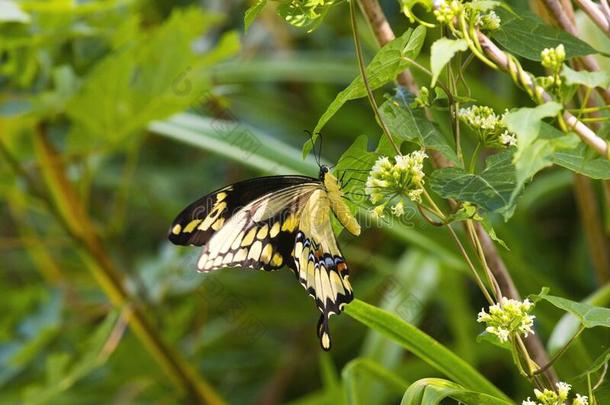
(266,223)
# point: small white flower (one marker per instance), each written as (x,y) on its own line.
(563,389)
(580,400)
(398,209)
(528,401)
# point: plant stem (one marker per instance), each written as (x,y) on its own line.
(441,215)
(560,352)
(365,80)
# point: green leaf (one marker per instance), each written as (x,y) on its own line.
(421,345)
(524,34)
(532,154)
(411,124)
(431,391)
(442,52)
(364,369)
(577,161)
(588,79)
(568,325)
(253,12)
(153,77)
(389,61)
(490,190)
(525,122)
(589,315)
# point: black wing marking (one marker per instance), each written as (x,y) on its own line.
(198,222)
(319,265)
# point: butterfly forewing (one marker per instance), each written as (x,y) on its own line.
(260,235)
(196,224)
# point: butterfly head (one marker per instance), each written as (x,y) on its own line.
(324,169)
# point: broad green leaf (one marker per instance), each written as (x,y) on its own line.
(363,369)
(585,78)
(10,11)
(525,123)
(524,34)
(442,52)
(389,61)
(411,124)
(577,161)
(431,391)
(568,324)
(532,154)
(253,12)
(490,190)
(421,345)
(153,77)
(589,315)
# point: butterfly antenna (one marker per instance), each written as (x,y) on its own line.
(313,145)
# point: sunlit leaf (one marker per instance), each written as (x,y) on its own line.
(431,391)
(421,345)
(253,12)
(441,52)
(589,315)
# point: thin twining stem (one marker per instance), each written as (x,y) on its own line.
(365,80)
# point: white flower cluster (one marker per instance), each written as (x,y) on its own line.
(508,318)
(387,180)
(489,126)
(558,397)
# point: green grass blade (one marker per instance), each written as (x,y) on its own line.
(422,345)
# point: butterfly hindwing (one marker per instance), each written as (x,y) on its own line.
(319,265)
(196,224)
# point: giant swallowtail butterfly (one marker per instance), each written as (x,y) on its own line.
(270,222)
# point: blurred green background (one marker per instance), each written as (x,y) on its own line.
(95,166)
